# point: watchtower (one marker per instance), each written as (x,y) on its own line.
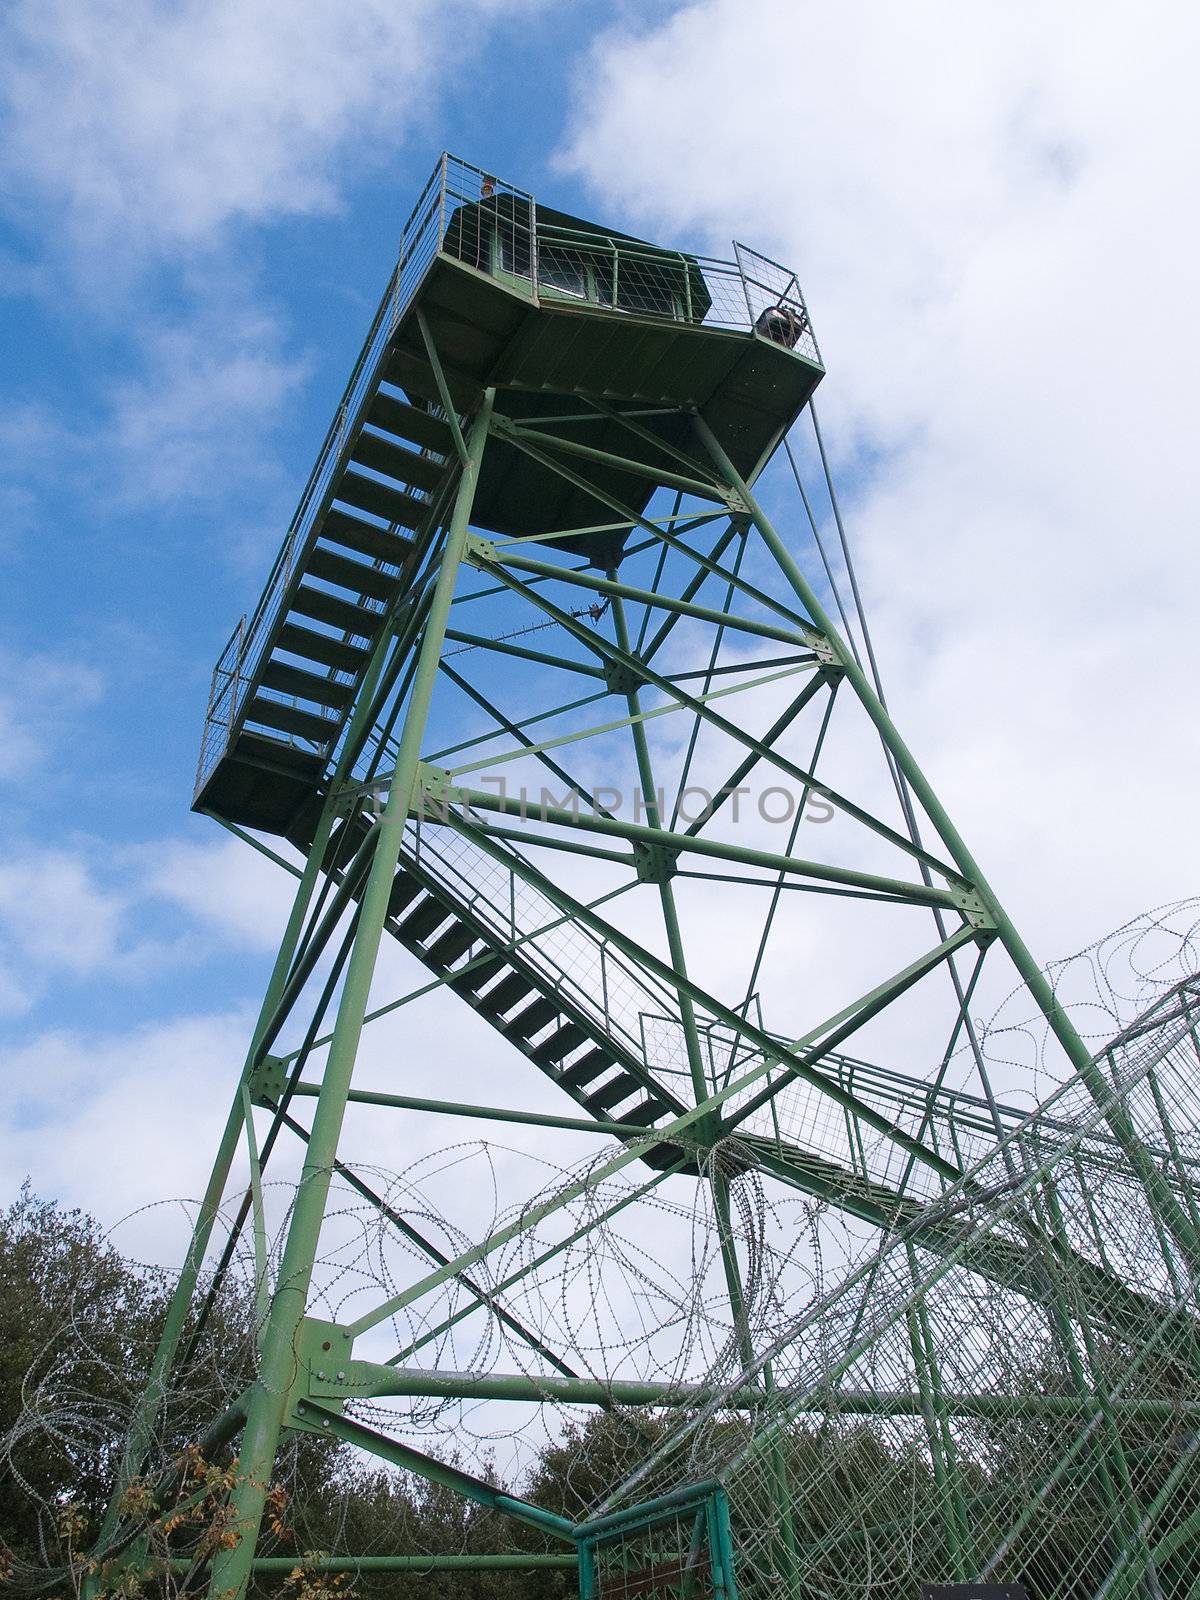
(552,314)
(533,540)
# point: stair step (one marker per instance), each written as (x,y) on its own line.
(646,1112)
(480,972)
(584,1070)
(569,1037)
(337,613)
(273,755)
(314,646)
(404,891)
(506,993)
(415,376)
(406,466)
(339,527)
(393,505)
(410,422)
(313,686)
(445,950)
(534,1017)
(419,924)
(290,719)
(344,840)
(611,1093)
(350,574)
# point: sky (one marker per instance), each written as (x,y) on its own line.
(989,210)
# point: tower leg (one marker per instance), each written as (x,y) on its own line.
(142,1424)
(1157,1187)
(231,1569)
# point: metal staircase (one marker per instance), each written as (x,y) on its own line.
(573,1036)
(578,1011)
(286,682)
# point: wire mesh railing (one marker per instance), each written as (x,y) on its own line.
(242,658)
(642,1015)
(593,977)
(498,230)
(239,663)
(675,1548)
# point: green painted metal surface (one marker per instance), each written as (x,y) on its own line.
(540,498)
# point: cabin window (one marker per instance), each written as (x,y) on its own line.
(563,269)
(602,271)
(514,248)
(649,292)
(627,282)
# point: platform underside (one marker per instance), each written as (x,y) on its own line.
(545,358)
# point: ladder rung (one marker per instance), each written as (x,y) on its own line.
(588,1067)
(507,992)
(404,891)
(290,719)
(415,376)
(611,1093)
(368,494)
(339,527)
(560,1044)
(447,948)
(344,840)
(273,755)
(323,691)
(535,1016)
(479,972)
(406,466)
(645,1112)
(419,924)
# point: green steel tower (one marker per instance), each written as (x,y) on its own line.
(540,691)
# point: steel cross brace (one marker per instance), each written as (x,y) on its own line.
(358,1379)
(1178,1223)
(638,665)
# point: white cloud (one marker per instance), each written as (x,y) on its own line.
(970,203)
(187,424)
(65,920)
(97,1120)
(58,912)
(983,204)
(136,138)
(40,695)
(225,885)
(154,126)
(84,911)
(191,423)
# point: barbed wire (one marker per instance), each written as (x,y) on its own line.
(919,1368)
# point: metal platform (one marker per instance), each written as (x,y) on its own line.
(478,300)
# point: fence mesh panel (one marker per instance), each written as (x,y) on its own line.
(1008,1387)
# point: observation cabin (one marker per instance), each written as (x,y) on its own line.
(558,315)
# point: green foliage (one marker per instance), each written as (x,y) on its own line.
(58,1276)
(77,1322)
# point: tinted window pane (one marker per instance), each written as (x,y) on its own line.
(562,269)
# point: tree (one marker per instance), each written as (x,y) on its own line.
(74,1318)
(78,1327)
